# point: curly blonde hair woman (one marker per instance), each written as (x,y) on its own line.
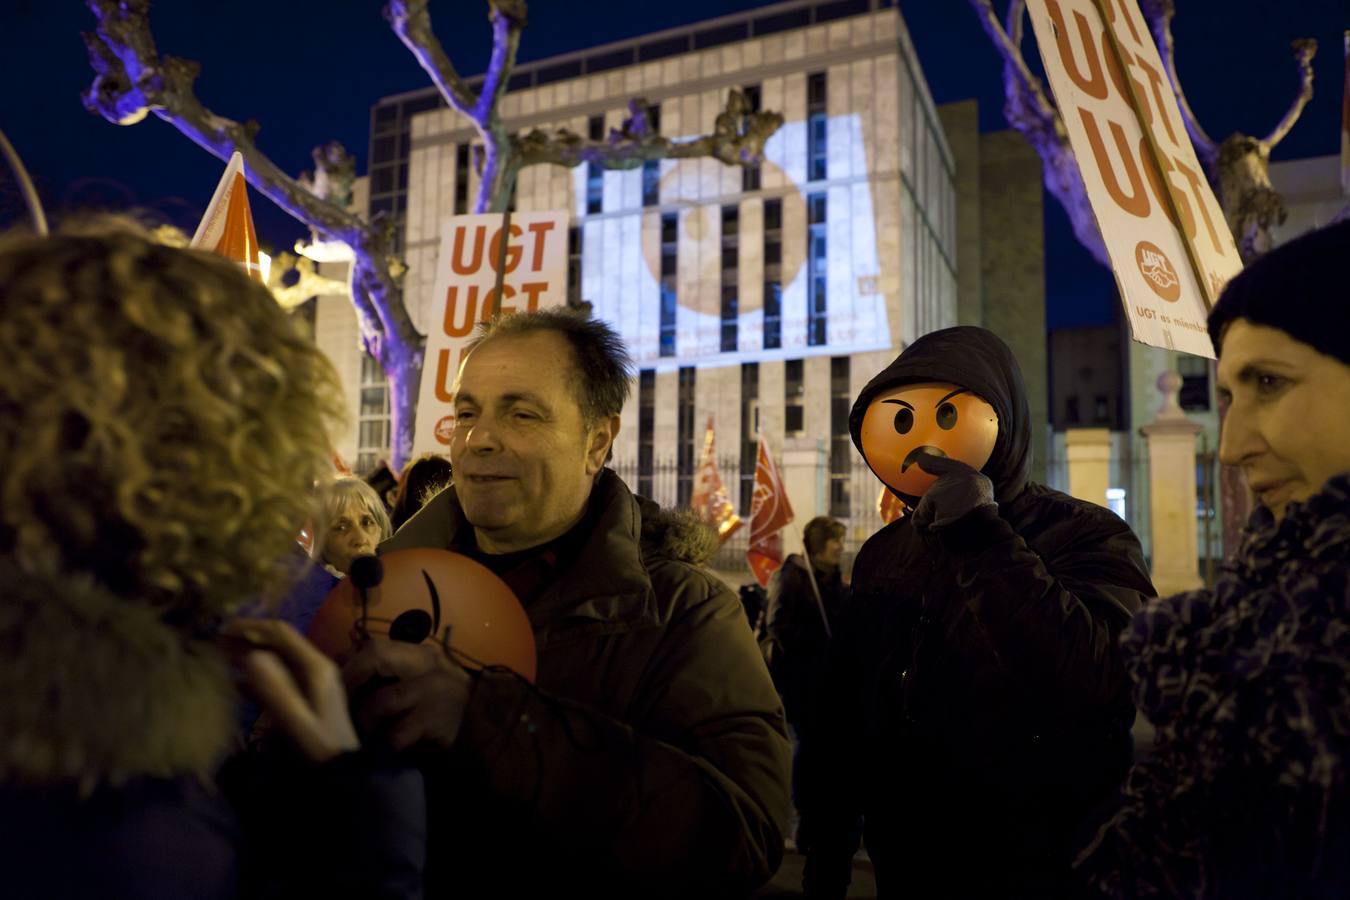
(162,424)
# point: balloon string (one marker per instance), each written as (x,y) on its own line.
(25,185)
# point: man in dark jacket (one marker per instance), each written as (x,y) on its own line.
(650,757)
(976,708)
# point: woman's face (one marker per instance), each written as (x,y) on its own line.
(354,532)
(1288,420)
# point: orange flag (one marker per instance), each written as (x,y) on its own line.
(710,500)
(890,506)
(227,227)
(769,512)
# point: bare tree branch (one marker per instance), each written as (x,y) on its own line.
(412,23)
(133,81)
(738,139)
(1029,110)
(1304,51)
(1159,15)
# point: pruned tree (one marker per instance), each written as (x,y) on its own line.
(1238,167)
(133,80)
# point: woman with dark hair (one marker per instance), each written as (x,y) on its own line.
(1248,684)
(161,426)
(421,480)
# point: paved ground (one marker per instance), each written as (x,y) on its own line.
(788,881)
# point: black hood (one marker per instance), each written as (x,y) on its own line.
(976,359)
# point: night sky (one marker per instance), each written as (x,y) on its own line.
(312,73)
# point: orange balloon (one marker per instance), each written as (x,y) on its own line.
(940,418)
(427,597)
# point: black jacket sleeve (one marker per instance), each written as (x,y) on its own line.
(1053,617)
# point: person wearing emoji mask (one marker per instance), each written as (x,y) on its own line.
(976,707)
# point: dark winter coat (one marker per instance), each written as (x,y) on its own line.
(1246,793)
(797,632)
(113,729)
(977,706)
(650,758)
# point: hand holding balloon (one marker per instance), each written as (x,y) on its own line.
(959,490)
(407,693)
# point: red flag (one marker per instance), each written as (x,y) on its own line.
(890,506)
(769,512)
(227,226)
(710,500)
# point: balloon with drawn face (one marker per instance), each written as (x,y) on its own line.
(427,597)
(934,417)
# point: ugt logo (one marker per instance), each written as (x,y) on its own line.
(1158,271)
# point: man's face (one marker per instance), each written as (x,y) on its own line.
(1287,425)
(934,417)
(832,552)
(354,532)
(524,460)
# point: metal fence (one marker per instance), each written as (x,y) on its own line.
(852,498)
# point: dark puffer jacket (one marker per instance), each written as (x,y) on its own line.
(977,707)
(650,758)
(1246,794)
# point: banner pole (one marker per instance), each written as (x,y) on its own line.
(811,574)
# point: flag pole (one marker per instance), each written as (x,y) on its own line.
(811,574)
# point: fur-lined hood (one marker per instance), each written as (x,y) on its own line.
(676,534)
(99,690)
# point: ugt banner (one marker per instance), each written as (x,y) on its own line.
(466,278)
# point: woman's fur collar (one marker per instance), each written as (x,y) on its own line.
(98,689)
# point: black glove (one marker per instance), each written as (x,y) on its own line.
(958,491)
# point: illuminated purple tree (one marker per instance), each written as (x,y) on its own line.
(133,80)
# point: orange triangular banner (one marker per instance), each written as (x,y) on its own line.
(227,226)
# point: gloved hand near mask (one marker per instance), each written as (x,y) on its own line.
(959,490)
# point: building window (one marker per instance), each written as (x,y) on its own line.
(773,273)
(1100,411)
(461,179)
(841,442)
(595,176)
(794,397)
(685,437)
(749,433)
(574,266)
(651,168)
(1194,371)
(816,274)
(670,230)
(646,431)
(816,129)
(1071,410)
(373,422)
(731,236)
(750,174)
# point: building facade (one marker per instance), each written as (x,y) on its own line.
(759,300)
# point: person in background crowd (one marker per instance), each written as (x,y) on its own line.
(1245,794)
(795,622)
(384,482)
(650,757)
(161,423)
(976,707)
(422,478)
(350,521)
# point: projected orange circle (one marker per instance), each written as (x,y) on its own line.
(427,596)
(937,417)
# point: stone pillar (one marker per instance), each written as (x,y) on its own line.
(1171,492)
(1088,451)
(806,467)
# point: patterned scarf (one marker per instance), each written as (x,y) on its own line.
(1249,688)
